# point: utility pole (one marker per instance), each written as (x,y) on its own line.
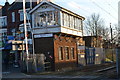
(118,56)
(25,28)
(118,61)
(111,42)
(96,33)
(118,47)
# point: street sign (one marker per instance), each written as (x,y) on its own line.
(43,35)
(18,45)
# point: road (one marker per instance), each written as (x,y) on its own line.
(85,73)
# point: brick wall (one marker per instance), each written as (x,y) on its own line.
(64,41)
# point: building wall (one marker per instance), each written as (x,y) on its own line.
(62,41)
(16,7)
(63,44)
(12,25)
(51,45)
(59,21)
(92,41)
(45,46)
(3,22)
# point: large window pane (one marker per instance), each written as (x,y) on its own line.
(72,53)
(13,16)
(67,53)
(46,19)
(60,53)
(75,23)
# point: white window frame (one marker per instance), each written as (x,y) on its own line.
(72,53)
(60,53)
(67,53)
(13,16)
(21,16)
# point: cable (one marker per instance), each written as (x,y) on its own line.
(103,9)
(77,6)
(110,5)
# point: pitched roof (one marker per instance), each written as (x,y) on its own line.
(5,8)
(19,5)
(56,6)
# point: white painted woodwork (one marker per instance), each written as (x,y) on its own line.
(69,23)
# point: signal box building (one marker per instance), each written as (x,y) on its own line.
(57,32)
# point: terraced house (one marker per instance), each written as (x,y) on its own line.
(57,34)
(3,22)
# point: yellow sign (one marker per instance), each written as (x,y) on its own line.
(18,45)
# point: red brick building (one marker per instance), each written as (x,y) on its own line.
(93,41)
(57,33)
(3,21)
(15,16)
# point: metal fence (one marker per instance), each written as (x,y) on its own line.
(94,55)
(33,63)
(110,55)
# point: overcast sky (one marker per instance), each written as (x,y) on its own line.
(108,9)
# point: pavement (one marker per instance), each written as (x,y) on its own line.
(16,74)
(23,76)
(20,76)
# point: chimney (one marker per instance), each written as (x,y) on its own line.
(7,3)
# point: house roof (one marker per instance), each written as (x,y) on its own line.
(19,5)
(56,6)
(5,8)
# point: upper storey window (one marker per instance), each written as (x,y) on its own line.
(45,19)
(71,21)
(22,15)
(3,21)
(13,16)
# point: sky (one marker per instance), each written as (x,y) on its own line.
(107,9)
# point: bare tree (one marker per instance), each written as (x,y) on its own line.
(116,33)
(95,26)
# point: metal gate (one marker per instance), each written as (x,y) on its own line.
(90,55)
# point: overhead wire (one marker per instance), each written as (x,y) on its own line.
(78,6)
(103,10)
(110,5)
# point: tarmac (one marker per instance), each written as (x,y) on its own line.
(16,74)
(23,76)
